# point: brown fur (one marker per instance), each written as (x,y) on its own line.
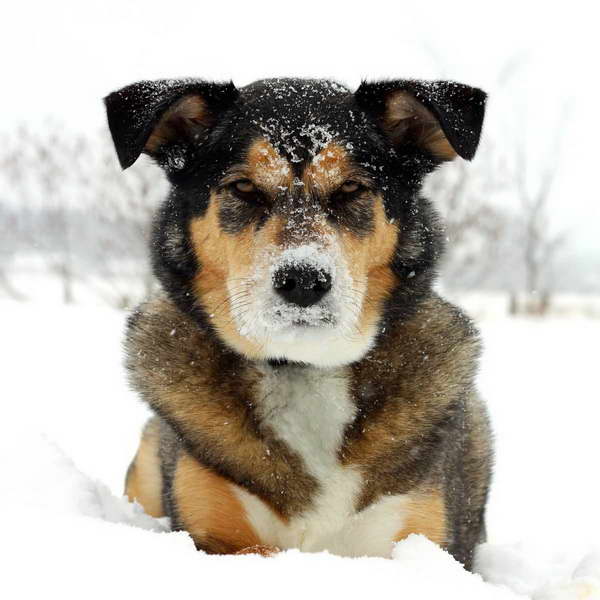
(435,354)
(225,256)
(209,510)
(266,167)
(188,112)
(398,440)
(261,550)
(426,516)
(369,258)
(328,170)
(144,479)
(206,394)
(406,116)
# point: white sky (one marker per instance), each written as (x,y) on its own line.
(61,57)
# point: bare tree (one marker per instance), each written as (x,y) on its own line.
(10,227)
(13,221)
(56,158)
(124,205)
(70,207)
(470,197)
(474,223)
(539,245)
(37,170)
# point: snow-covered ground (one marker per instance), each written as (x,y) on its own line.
(70,427)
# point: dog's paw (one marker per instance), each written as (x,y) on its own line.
(259,549)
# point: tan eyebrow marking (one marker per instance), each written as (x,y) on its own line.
(266,167)
(328,169)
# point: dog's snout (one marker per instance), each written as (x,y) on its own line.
(301,285)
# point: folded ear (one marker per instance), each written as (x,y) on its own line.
(442,117)
(149,115)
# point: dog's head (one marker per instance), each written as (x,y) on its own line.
(294,227)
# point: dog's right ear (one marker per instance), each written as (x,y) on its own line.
(151,116)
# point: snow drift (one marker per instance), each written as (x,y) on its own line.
(68,535)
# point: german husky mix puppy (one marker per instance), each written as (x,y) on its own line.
(310,388)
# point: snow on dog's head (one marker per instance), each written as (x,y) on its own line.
(294,228)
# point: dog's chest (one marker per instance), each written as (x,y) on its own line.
(309,410)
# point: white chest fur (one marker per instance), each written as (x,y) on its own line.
(309,409)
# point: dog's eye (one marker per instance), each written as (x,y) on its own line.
(349,187)
(244,186)
(347,191)
(246,191)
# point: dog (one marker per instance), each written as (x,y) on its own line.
(310,389)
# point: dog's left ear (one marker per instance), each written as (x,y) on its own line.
(443,118)
(151,116)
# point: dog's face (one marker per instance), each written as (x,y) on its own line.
(294,227)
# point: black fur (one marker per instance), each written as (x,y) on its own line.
(134,110)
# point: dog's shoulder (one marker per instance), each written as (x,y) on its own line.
(438,343)
(164,346)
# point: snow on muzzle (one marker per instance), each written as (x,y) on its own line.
(305,282)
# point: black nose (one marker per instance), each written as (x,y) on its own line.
(303,286)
